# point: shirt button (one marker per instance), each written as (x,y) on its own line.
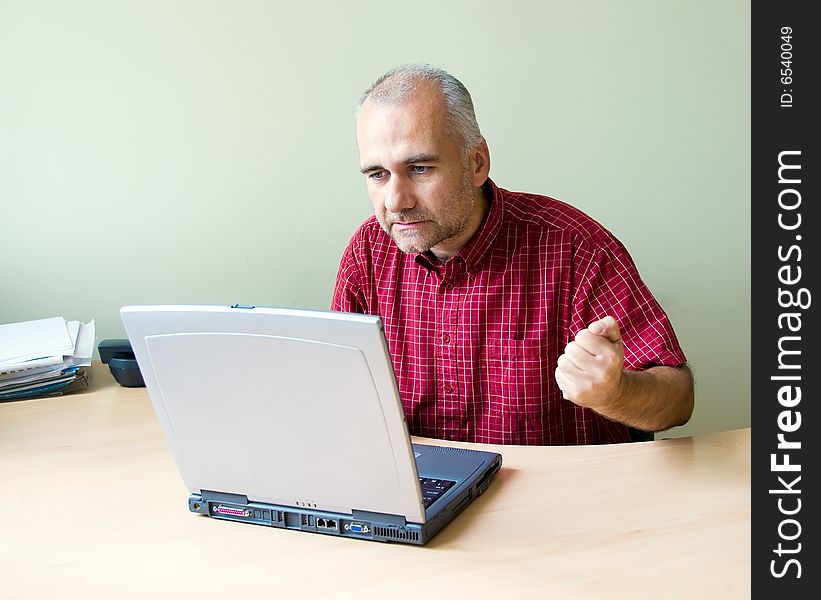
(448,389)
(446,338)
(448,286)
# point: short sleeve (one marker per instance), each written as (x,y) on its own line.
(348,296)
(606,282)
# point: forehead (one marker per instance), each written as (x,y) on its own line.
(391,132)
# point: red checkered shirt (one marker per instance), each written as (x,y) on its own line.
(475,341)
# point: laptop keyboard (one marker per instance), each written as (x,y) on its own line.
(432,489)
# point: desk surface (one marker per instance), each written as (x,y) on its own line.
(93,506)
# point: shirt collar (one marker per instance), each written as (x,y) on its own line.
(479,245)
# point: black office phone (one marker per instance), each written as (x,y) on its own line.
(119,357)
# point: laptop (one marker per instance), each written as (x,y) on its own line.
(292,419)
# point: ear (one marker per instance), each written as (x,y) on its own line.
(480,164)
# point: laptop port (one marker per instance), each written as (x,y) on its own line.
(357,527)
(322,523)
(232,511)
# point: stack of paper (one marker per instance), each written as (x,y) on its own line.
(43,357)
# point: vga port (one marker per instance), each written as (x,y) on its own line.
(357,527)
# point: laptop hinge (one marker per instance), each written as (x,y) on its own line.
(210,496)
(366,515)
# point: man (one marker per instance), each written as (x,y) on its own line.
(511,318)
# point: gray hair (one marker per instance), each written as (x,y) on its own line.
(396,85)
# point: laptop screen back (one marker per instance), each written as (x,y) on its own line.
(285,406)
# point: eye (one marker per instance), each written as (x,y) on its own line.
(419,169)
(377,175)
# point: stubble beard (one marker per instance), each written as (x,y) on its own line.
(438,228)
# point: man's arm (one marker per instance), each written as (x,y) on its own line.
(591,373)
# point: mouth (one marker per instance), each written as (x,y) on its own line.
(407,225)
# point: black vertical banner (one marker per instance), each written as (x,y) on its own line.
(784,333)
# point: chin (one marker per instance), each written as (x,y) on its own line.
(410,246)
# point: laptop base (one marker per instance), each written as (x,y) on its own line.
(360,524)
(365,526)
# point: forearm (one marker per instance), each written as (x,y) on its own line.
(655,399)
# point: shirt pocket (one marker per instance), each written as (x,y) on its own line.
(519,377)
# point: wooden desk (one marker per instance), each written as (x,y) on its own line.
(93,506)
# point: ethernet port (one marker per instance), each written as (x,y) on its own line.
(323,523)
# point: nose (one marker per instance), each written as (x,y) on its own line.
(399,195)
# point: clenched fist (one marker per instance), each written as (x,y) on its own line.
(590,371)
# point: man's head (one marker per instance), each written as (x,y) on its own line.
(424,159)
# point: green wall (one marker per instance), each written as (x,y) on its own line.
(203,152)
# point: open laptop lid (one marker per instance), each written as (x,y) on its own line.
(284,406)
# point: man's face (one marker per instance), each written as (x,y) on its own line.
(422,185)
